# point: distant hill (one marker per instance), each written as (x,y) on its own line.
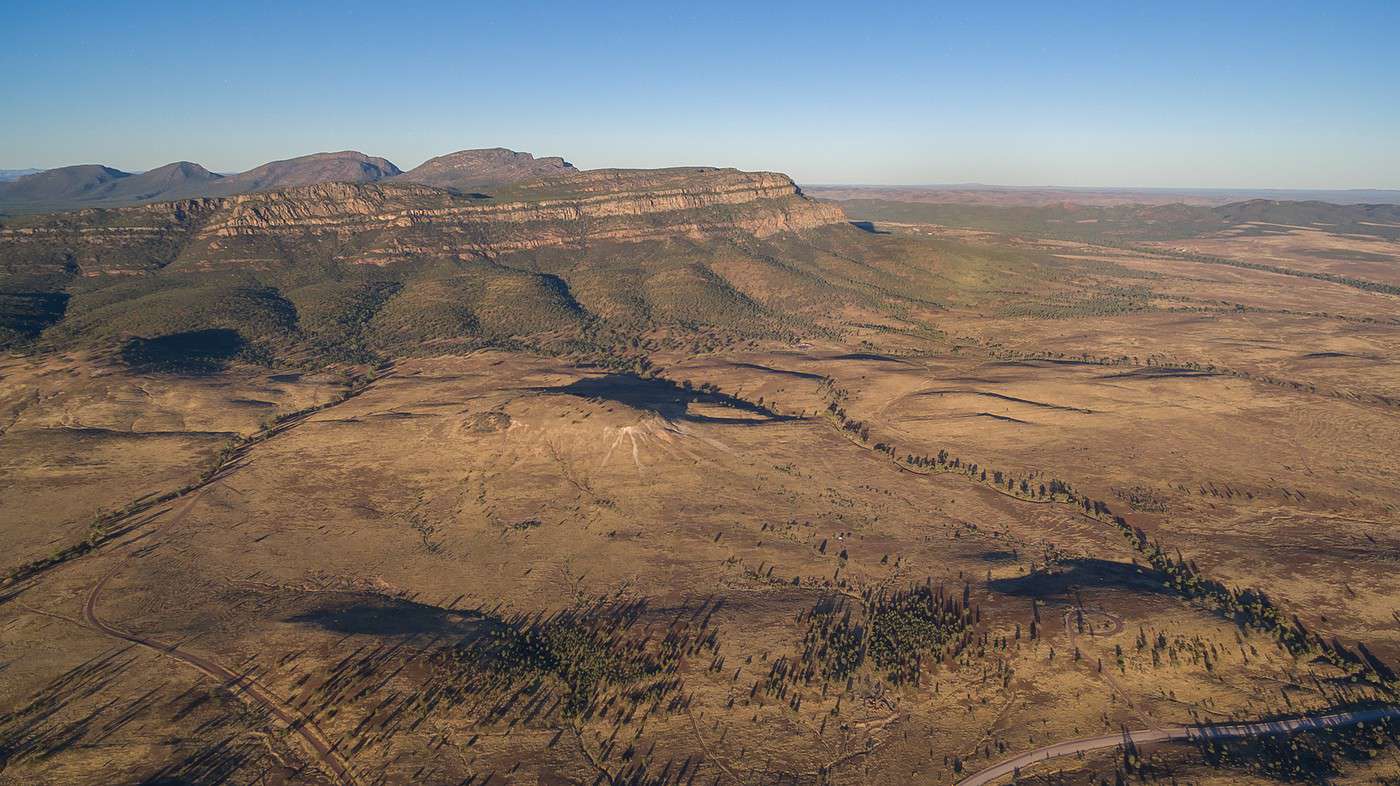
(1309,213)
(65,183)
(1037,196)
(7,175)
(470,169)
(178,180)
(348,166)
(95,185)
(1095,223)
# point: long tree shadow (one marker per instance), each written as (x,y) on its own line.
(89,707)
(502,666)
(665,398)
(1311,757)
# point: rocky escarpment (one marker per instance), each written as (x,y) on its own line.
(37,251)
(344,207)
(384,222)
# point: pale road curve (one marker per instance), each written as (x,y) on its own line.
(1106,676)
(1143,736)
(242,685)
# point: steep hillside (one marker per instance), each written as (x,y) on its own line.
(354,269)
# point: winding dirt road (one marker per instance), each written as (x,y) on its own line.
(1106,675)
(1141,737)
(242,685)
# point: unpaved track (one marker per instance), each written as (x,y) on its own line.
(1105,675)
(1171,733)
(242,685)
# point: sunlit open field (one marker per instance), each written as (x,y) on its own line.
(875,555)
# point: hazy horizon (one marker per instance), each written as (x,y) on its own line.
(1196,96)
(969,185)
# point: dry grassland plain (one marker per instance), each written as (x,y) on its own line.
(767,561)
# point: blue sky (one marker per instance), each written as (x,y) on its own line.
(1177,94)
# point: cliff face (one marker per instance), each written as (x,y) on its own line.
(346,208)
(383,222)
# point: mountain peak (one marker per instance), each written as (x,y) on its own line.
(346,165)
(62,184)
(491,166)
(180,171)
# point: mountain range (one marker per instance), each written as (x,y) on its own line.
(97,185)
(343,256)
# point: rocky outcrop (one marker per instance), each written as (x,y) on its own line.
(388,221)
(343,207)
